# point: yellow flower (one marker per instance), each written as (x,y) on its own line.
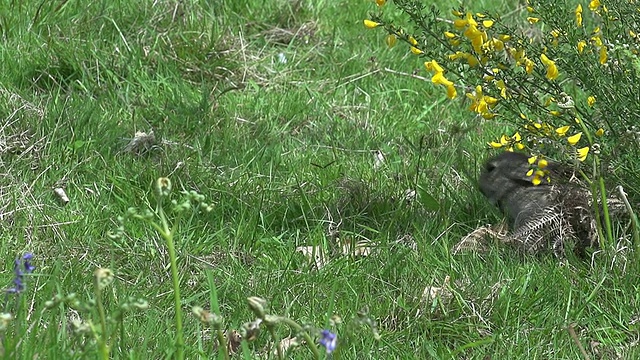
(532,20)
(532,160)
(497,44)
(482,104)
(467,21)
(516,137)
(503,88)
(552,69)
(581,45)
(538,176)
(572,140)
(562,131)
(509,142)
(459,23)
(582,153)
(537,180)
(594,4)
(579,15)
(487,23)
(456,56)
(369,24)
(600,132)
(476,36)
(391,40)
(530,9)
(555,113)
(543,163)
(414,42)
(504,37)
(471,21)
(457,13)
(528,66)
(603,55)
(591,100)
(454,39)
(451,92)
(597,41)
(471,60)
(438,78)
(433,66)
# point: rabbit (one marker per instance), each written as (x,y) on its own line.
(548,213)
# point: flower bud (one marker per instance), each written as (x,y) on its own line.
(257,305)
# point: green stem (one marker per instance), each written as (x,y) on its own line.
(102,339)
(276,341)
(605,206)
(167,234)
(222,343)
(594,199)
(305,335)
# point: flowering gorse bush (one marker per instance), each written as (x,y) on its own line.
(563,75)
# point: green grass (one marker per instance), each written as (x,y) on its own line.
(285,153)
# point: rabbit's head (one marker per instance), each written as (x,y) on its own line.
(503,174)
(505,183)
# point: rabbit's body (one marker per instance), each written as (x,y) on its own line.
(541,215)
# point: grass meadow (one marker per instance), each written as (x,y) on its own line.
(304,132)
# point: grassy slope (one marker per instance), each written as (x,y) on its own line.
(249,133)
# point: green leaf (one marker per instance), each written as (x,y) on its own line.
(427,200)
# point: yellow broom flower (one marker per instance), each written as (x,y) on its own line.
(552,69)
(562,131)
(582,153)
(579,15)
(573,139)
(603,55)
(370,24)
(581,46)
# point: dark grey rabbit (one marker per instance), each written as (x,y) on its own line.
(542,216)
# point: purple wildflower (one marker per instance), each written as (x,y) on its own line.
(329,340)
(21,266)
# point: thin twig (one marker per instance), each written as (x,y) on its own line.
(574,336)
